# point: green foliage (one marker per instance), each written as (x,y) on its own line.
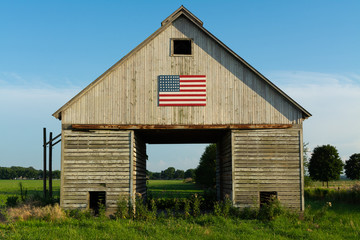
(306,151)
(141,209)
(23,192)
(352,167)
(217,209)
(179,174)
(325,164)
(12,201)
(190,173)
(169,173)
(308,182)
(205,173)
(79,214)
(186,208)
(269,211)
(122,208)
(350,195)
(28,173)
(196,205)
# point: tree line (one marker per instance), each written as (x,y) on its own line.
(170,173)
(25,173)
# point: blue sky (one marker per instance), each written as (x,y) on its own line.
(50,50)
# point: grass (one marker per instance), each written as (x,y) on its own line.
(338,184)
(172,189)
(11,188)
(320,221)
(336,222)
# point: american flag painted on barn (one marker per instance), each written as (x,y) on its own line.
(182,90)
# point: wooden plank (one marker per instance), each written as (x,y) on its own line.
(212,126)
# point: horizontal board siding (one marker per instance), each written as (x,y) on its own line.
(224,167)
(94,161)
(128,94)
(139,168)
(267,160)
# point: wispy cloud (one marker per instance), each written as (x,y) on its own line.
(334,101)
(25,108)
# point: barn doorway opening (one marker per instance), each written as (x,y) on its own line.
(97,199)
(180,138)
(171,170)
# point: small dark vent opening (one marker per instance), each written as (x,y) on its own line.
(97,199)
(267,197)
(182,47)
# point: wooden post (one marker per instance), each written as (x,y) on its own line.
(50,164)
(44,173)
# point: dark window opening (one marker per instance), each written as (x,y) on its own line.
(267,197)
(97,199)
(182,47)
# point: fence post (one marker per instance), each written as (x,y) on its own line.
(50,164)
(44,173)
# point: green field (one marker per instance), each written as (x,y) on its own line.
(338,184)
(11,188)
(172,189)
(340,221)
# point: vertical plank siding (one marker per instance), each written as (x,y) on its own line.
(139,168)
(267,160)
(94,161)
(128,93)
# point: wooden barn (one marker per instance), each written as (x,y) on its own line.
(181,85)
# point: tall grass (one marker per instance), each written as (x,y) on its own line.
(347,195)
(320,221)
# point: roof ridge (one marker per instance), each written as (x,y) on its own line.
(179,11)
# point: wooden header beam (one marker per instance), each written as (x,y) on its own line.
(193,127)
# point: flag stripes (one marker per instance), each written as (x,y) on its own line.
(182,90)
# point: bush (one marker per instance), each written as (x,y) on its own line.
(12,201)
(269,211)
(122,209)
(79,214)
(308,182)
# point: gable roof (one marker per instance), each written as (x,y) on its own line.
(181,11)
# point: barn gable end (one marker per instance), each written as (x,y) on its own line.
(258,128)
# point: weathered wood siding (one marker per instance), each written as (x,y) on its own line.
(94,161)
(224,167)
(127,94)
(139,168)
(268,160)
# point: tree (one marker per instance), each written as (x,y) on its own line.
(179,174)
(306,150)
(352,167)
(190,173)
(169,173)
(205,173)
(325,164)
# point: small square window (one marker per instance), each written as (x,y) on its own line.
(181,47)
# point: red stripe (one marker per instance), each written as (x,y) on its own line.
(192,90)
(182,100)
(194,76)
(185,104)
(197,85)
(192,80)
(182,95)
